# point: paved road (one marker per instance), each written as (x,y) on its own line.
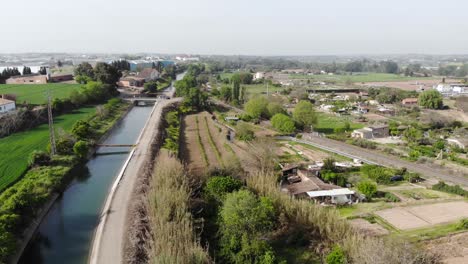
(376,157)
(108,241)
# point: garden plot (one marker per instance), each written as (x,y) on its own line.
(405,218)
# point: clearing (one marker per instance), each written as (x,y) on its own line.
(356,77)
(36,93)
(326,123)
(405,218)
(17,147)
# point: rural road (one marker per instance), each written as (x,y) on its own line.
(108,242)
(376,157)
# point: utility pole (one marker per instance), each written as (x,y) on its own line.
(53,149)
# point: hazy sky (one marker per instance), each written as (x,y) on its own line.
(249,27)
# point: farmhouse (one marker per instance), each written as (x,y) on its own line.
(6,105)
(452,89)
(377,131)
(334,196)
(27,79)
(131,81)
(409,101)
(258,76)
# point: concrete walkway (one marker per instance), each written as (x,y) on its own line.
(108,242)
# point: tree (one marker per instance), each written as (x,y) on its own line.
(81,149)
(431,99)
(304,115)
(368,188)
(26,70)
(59,64)
(218,187)
(283,123)
(244,220)
(329,164)
(106,73)
(42,70)
(244,132)
(235,90)
(257,107)
(84,69)
(225,93)
(275,108)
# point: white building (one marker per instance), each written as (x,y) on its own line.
(6,105)
(451,89)
(335,196)
(258,76)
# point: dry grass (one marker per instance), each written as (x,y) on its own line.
(174,240)
(328,224)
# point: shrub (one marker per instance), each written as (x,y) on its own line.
(82,129)
(336,256)
(368,188)
(39,158)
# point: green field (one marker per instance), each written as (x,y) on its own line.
(326,123)
(36,93)
(261,88)
(358,77)
(17,147)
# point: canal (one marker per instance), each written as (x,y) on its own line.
(65,234)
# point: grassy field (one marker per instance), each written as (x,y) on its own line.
(261,88)
(36,93)
(17,147)
(327,123)
(357,77)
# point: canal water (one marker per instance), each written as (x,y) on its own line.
(65,234)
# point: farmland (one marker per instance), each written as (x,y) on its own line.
(205,144)
(17,147)
(357,78)
(36,94)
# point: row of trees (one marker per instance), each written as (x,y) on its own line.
(102,72)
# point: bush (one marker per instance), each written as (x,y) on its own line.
(38,158)
(81,149)
(82,129)
(368,188)
(336,256)
(217,187)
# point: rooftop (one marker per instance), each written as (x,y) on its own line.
(5,101)
(334,192)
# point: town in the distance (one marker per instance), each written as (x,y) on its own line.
(179,158)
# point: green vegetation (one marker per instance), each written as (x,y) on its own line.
(17,147)
(200,143)
(431,99)
(171,142)
(336,256)
(304,115)
(327,123)
(218,186)
(244,131)
(368,188)
(455,189)
(283,123)
(36,94)
(212,143)
(256,107)
(463,224)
